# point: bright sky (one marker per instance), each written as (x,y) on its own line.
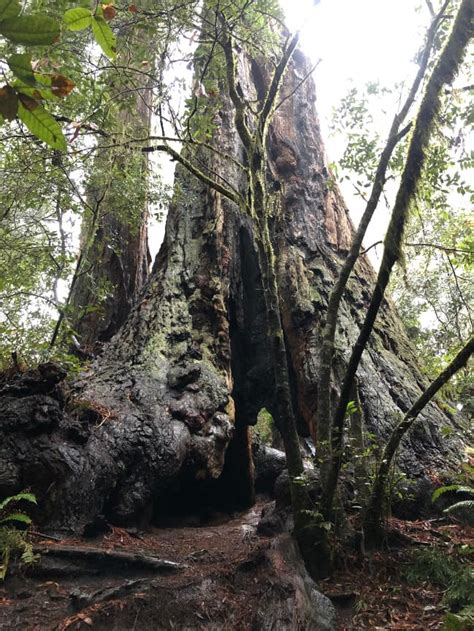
(363,40)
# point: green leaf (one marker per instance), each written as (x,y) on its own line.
(9,9)
(28,497)
(443,489)
(35,30)
(463,505)
(459,488)
(19,517)
(20,65)
(78,19)
(41,89)
(351,408)
(104,36)
(42,124)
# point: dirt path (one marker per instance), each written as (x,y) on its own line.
(214,577)
(221,576)
(47,598)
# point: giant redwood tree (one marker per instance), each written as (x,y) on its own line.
(114,259)
(228,322)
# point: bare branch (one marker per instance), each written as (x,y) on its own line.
(374,245)
(298,85)
(232,194)
(430,8)
(438,247)
(237,100)
(268,107)
(460,293)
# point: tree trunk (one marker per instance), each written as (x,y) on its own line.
(113,271)
(160,420)
(114,248)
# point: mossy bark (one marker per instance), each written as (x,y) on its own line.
(114,258)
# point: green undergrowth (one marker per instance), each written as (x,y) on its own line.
(13,532)
(454,573)
(264,427)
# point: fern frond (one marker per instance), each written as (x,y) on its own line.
(460,621)
(12,542)
(458,488)
(19,517)
(464,504)
(27,497)
(28,557)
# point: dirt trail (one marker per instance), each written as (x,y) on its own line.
(216,584)
(220,576)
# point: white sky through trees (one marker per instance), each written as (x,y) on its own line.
(357,42)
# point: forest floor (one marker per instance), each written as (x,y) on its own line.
(116,581)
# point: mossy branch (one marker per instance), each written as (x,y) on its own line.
(374,512)
(269,103)
(335,297)
(238,102)
(232,194)
(442,75)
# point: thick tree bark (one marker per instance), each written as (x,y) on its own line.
(161,418)
(113,271)
(114,255)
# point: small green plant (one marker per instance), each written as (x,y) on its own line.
(317,519)
(352,408)
(431,565)
(448,572)
(264,426)
(457,506)
(13,540)
(461,621)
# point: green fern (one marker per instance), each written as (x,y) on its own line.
(431,565)
(458,488)
(455,488)
(460,592)
(461,621)
(447,572)
(12,540)
(27,497)
(464,504)
(18,517)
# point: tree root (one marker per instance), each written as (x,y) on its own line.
(87,560)
(80,600)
